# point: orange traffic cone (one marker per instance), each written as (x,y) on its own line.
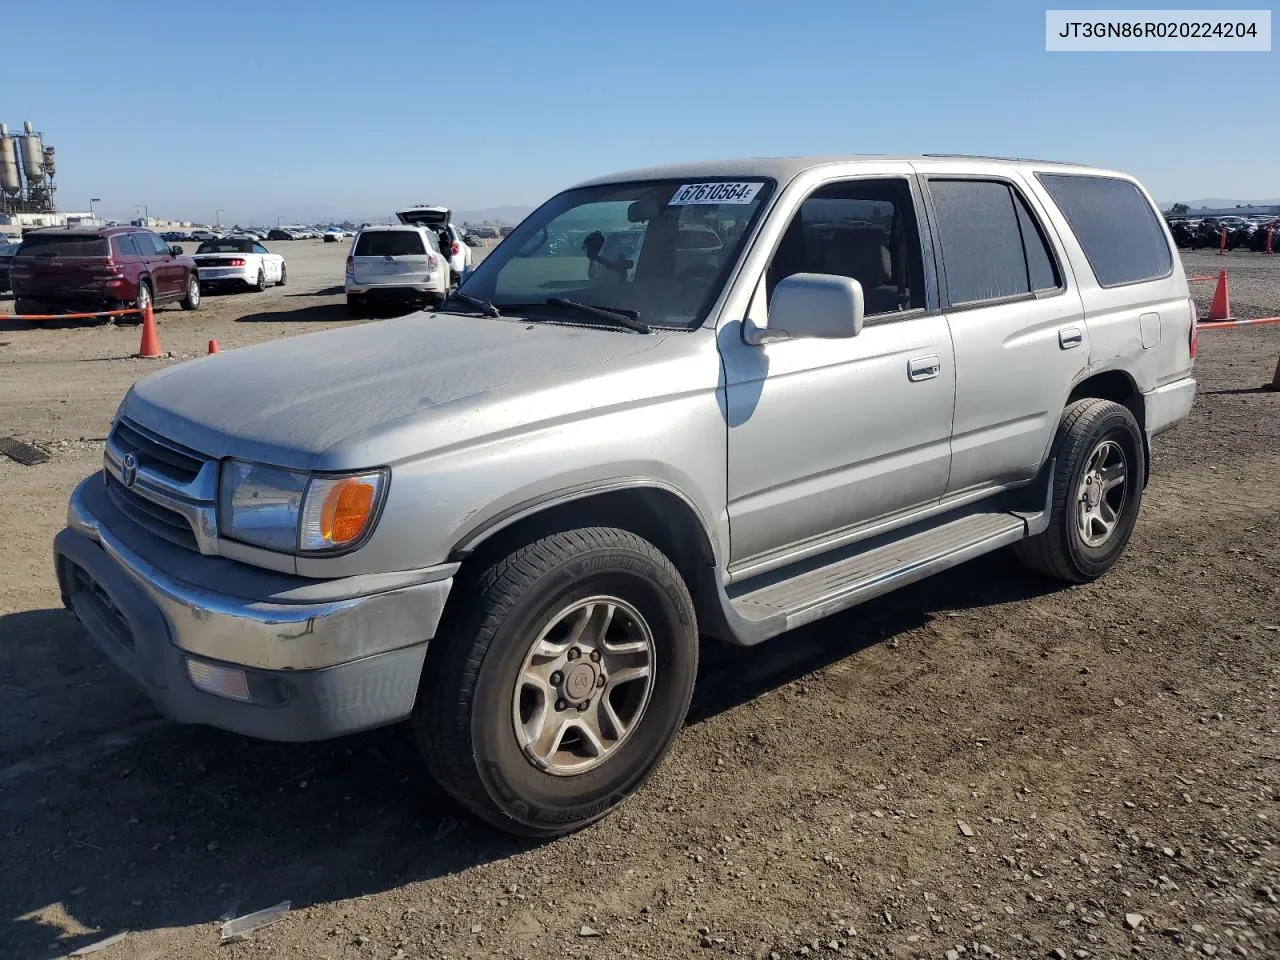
(213,346)
(1275,380)
(1220,309)
(150,346)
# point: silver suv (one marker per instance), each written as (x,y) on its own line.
(395,264)
(510,525)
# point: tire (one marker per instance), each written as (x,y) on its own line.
(284,275)
(262,280)
(355,307)
(144,296)
(192,300)
(1084,538)
(475,701)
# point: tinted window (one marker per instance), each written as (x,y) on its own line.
(259,248)
(151,245)
(390,243)
(35,245)
(226,246)
(863,229)
(123,246)
(1115,225)
(1042,271)
(981,243)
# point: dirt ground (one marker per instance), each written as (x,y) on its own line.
(983,765)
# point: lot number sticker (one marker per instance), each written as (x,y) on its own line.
(719,192)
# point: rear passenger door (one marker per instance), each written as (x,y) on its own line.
(167,275)
(1016,324)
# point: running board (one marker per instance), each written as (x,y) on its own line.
(821,589)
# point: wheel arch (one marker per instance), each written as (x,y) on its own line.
(1119,387)
(657,512)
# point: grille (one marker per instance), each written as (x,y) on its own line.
(163,522)
(84,588)
(173,460)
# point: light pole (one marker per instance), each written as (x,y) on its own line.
(93,216)
(146,212)
(217,216)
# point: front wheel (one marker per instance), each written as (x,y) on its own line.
(192,300)
(559,682)
(1097,492)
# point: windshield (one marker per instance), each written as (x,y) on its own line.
(660,249)
(226,246)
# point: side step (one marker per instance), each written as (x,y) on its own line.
(827,584)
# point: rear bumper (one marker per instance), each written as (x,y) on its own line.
(397,292)
(211,276)
(317,669)
(1168,405)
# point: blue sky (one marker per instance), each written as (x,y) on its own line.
(321,109)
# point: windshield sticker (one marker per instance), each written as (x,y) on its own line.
(719,192)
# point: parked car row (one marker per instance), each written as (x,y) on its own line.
(87,269)
(1247,233)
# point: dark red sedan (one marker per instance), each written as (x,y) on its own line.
(79,269)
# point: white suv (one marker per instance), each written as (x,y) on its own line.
(449,238)
(401,263)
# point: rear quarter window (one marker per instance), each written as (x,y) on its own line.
(1116,226)
(390,243)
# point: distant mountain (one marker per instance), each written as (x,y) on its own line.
(511,214)
(1217,203)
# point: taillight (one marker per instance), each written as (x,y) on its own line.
(236,262)
(1195,327)
(455,248)
(351,264)
(432,262)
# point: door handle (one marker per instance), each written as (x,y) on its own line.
(923,368)
(1069,337)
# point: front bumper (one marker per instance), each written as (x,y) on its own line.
(312,670)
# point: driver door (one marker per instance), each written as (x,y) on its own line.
(830,437)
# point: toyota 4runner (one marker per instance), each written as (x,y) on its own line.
(509,520)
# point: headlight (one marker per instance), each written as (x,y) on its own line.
(290,511)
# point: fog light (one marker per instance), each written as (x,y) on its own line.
(220,681)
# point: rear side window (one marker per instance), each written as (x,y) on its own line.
(124,246)
(1115,225)
(149,243)
(35,245)
(390,243)
(992,246)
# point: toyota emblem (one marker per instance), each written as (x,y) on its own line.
(129,469)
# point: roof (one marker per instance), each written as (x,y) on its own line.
(82,231)
(785,169)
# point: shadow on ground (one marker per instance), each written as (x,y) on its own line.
(132,822)
(317,313)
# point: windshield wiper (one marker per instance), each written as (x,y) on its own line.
(484,306)
(619,318)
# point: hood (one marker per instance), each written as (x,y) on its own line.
(365,395)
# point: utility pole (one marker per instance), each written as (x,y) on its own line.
(217,216)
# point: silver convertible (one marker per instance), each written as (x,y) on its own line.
(719,399)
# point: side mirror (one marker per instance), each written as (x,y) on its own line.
(811,305)
(176,251)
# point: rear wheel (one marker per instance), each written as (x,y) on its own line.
(356,306)
(557,685)
(284,275)
(262,280)
(192,300)
(1097,492)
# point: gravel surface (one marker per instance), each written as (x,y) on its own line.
(983,765)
